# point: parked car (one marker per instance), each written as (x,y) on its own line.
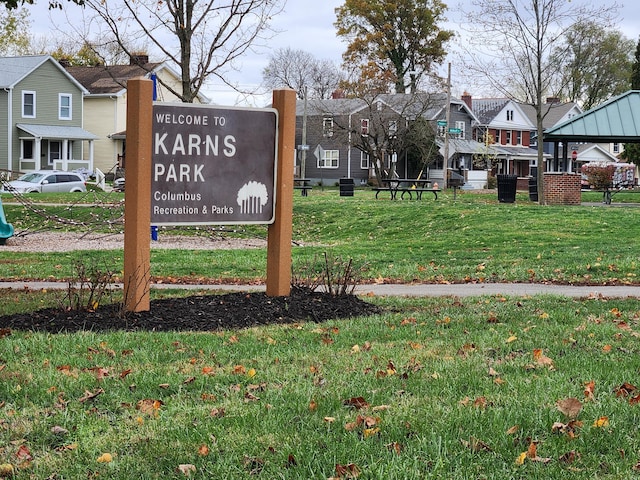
(46,181)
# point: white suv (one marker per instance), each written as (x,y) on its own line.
(46,181)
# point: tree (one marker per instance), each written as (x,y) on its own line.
(398,37)
(14,39)
(13,4)
(512,44)
(200,38)
(631,151)
(594,62)
(302,72)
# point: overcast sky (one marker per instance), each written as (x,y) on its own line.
(308,25)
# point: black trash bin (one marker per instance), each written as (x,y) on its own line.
(507,188)
(346,187)
(533,189)
(533,185)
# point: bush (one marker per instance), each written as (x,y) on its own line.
(599,175)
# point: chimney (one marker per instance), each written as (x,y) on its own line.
(336,94)
(466,98)
(64,62)
(139,59)
(552,100)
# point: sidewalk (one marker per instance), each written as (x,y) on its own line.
(409,290)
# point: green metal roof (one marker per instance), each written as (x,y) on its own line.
(616,120)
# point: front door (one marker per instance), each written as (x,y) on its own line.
(55,151)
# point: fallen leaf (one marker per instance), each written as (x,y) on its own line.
(513,429)
(521,458)
(105,458)
(149,406)
(512,338)
(90,395)
(570,407)
(186,469)
(601,422)
(203,450)
(589,389)
(356,402)
(347,471)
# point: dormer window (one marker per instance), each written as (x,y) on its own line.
(509,115)
(364,126)
(327,126)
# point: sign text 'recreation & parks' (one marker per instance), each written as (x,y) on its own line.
(213,165)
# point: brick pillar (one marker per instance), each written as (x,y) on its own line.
(562,188)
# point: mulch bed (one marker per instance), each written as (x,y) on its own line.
(198,313)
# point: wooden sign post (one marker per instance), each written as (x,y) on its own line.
(137,205)
(280,232)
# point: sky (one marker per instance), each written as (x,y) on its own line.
(309,25)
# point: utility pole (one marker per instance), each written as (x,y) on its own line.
(445,163)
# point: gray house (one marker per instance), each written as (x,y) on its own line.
(41,126)
(331,133)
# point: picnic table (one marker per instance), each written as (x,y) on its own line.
(302,184)
(406,186)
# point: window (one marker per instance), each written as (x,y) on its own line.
(29,104)
(393,127)
(533,139)
(460,126)
(518,137)
(616,148)
(329,159)
(508,137)
(327,127)
(364,160)
(26,146)
(497,138)
(64,106)
(509,115)
(364,126)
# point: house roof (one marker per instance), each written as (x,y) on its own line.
(111,79)
(15,69)
(486,109)
(617,120)
(552,112)
(57,132)
(428,105)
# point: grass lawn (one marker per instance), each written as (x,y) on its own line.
(477,388)
(473,238)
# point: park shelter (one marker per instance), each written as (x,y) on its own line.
(616,120)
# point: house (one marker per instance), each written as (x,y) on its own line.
(106,102)
(510,127)
(337,137)
(42,124)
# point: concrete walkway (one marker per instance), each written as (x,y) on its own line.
(412,290)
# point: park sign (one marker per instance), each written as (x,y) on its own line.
(213,165)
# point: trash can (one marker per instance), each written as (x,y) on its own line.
(507,188)
(533,185)
(533,189)
(346,187)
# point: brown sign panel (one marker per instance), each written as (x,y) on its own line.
(213,165)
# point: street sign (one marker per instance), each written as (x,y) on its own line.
(213,165)
(303,147)
(455,131)
(442,123)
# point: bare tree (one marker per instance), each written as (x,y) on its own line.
(302,72)
(511,43)
(202,38)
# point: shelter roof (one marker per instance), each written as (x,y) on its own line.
(616,120)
